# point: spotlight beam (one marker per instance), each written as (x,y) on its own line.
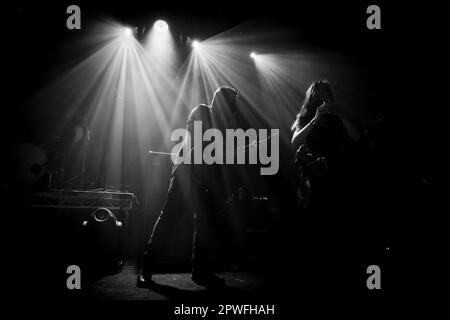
(195,44)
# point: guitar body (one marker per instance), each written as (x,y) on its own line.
(311,170)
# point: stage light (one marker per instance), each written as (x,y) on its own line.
(161,26)
(127,32)
(195,44)
(253,55)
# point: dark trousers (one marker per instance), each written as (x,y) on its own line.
(184,196)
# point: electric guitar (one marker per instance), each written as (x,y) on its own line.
(206,176)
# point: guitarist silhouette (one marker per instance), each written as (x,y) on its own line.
(198,188)
(324,138)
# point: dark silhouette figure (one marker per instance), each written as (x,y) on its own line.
(325,141)
(197,188)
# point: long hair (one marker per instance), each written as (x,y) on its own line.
(224,105)
(317,93)
(225,97)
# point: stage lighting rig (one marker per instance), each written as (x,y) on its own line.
(161,26)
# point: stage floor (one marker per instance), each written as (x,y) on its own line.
(175,286)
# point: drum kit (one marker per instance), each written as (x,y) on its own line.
(42,166)
(31,164)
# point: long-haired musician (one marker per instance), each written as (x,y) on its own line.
(193,189)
